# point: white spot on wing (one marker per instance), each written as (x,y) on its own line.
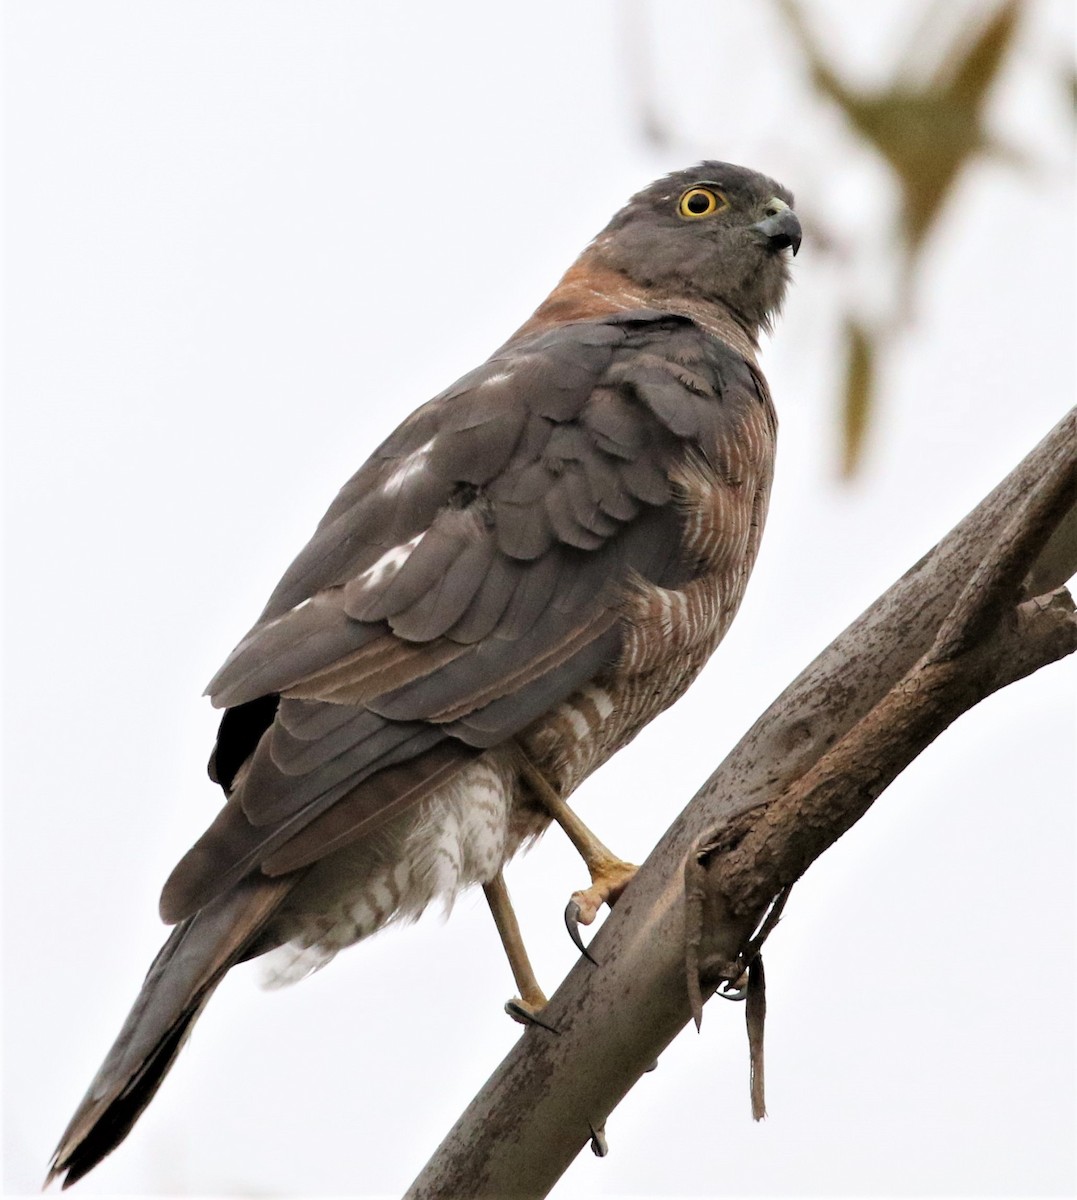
(390,562)
(496,378)
(410,465)
(269,625)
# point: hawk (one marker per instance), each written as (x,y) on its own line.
(528,570)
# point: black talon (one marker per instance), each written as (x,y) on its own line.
(518,1013)
(572,924)
(732,990)
(599,1146)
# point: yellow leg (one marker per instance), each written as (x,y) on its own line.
(531,998)
(609,874)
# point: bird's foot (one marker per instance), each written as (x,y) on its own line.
(528,1012)
(608,881)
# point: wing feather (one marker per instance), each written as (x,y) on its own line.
(488,605)
(466,580)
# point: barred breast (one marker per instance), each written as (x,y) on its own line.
(670,632)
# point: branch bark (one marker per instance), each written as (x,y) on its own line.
(959,625)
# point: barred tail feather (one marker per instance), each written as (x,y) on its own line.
(178,986)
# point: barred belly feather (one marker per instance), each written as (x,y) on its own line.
(459,835)
(588,728)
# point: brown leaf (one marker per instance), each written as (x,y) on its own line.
(927,133)
(859,393)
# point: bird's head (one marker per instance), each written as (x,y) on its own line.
(715,232)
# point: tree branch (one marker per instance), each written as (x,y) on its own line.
(952,630)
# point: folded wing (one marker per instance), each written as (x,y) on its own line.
(469,577)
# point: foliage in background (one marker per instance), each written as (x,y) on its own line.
(928,131)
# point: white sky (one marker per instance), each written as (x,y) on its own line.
(244,240)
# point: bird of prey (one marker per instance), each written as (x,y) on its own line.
(530,568)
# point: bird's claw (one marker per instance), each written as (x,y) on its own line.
(572,924)
(733,989)
(599,1146)
(608,882)
(526,1014)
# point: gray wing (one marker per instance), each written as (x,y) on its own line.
(465,580)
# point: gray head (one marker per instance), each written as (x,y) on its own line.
(715,231)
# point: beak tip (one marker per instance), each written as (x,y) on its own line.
(781,230)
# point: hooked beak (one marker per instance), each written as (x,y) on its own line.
(781,228)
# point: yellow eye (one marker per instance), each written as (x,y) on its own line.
(700,202)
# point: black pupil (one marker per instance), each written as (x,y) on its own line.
(699,203)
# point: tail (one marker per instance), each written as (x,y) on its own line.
(178,986)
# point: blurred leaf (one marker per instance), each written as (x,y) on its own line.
(860,358)
(972,76)
(929,132)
